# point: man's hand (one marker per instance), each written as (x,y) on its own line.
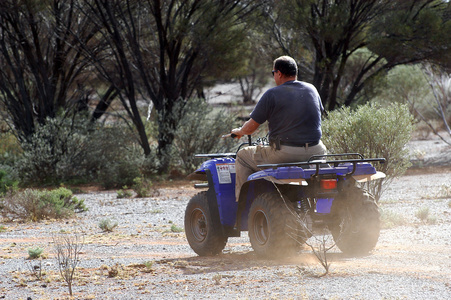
(248,128)
(236,133)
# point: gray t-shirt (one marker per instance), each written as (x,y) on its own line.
(293,111)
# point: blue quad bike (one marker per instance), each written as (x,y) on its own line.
(283,205)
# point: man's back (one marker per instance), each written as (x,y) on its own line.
(293,111)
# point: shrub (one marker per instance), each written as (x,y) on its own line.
(124,192)
(373,131)
(61,151)
(148,266)
(175,228)
(200,131)
(107,225)
(114,159)
(6,181)
(54,153)
(142,187)
(422,213)
(390,219)
(37,205)
(34,253)
(9,147)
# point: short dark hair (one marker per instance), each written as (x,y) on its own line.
(286,65)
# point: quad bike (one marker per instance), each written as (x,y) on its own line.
(282,205)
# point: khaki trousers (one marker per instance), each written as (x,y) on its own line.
(248,158)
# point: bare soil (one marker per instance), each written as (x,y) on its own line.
(145,257)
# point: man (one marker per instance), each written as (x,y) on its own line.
(293,111)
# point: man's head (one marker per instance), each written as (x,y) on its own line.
(285,69)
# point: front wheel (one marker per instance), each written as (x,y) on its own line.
(357,225)
(272,226)
(200,232)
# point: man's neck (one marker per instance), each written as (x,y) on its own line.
(286,79)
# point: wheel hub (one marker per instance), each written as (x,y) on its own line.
(261,227)
(199,225)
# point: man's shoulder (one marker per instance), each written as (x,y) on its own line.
(305,84)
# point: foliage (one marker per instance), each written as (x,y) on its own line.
(165,57)
(10,149)
(323,35)
(42,70)
(37,205)
(148,266)
(427,92)
(200,131)
(107,225)
(114,158)
(175,228)
(413,31)
(6,181)
(34,253)
(391,219)
(373,131)
(76,151)
(142,187)
(124,192)
(422,213)
(55,152)
(374,82)
(406,84)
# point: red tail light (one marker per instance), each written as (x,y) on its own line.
(328,184)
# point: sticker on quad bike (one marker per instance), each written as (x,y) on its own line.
(224,171)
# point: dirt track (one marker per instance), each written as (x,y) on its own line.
(143,258)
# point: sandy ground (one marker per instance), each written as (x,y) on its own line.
(145,258)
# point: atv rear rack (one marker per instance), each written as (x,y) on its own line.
(320,162)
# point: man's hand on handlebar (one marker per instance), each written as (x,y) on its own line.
(236,133)
(248,128)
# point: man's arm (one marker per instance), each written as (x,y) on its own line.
(248,128)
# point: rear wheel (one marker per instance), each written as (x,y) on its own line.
(357,225)
(272,226)
(200,232)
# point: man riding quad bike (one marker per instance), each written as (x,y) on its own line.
(282,190)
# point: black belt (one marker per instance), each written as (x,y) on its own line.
(293,144)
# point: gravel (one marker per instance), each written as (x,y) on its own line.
(145,258)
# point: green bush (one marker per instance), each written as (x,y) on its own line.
(142,187)
(6,181)
(373,131)
(54,153)
(114,159)
(9,147)
(124,193)
(37,205)
(75,152)
(175,228)
(106,225)
(200,131)
(34,253)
